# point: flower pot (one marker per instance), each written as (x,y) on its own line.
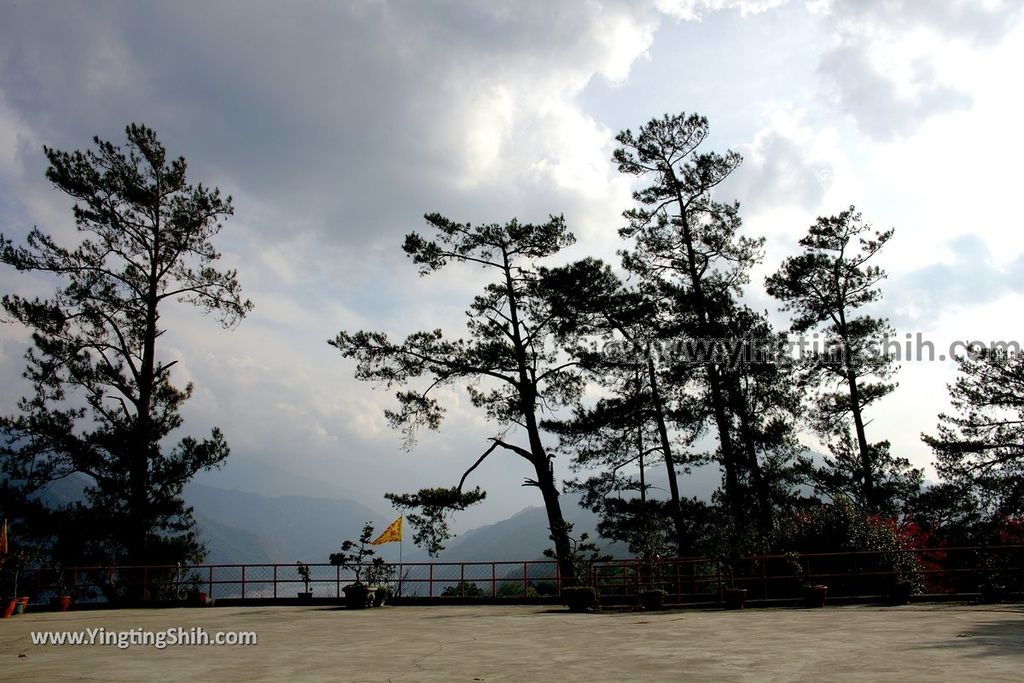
(197,598)
(306,596)
(650,600)
(9,608)
(734,597)
(61,603)
(357,596)
(381,595)
(579,598)
(22,605)
(900,593)
(992,592)
(814,596)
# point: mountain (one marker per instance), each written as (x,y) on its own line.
(228,545)
(249,528)
(265,477)
(524,536)
(282,529)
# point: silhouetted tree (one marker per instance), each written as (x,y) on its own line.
(823,287)
(509,364)
(688,249)
(765,402)
(103,402)
(980,450)
(632,425)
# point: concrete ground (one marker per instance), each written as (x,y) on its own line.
(946,642)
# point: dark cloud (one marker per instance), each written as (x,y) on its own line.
(357,117)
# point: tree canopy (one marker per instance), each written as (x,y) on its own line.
(103,402)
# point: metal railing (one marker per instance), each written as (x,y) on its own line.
(951,571)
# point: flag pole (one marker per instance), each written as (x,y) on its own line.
(401,569)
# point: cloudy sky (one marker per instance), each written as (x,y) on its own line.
(336,125)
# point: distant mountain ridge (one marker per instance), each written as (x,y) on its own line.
(281,529)
(246,527)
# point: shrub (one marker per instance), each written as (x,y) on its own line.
(579,598)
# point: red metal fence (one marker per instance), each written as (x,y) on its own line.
(686,580)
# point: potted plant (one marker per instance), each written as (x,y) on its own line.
(815,594)
(304,574)
(992,591)
(379,576)
(11,603)
(901,590)
(354,556)
(16,604)
(194,594)
(584,555)
(652,599)
(62,600)
(579,598)
(733,596)
(649,540)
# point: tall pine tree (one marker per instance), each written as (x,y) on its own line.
(103,404)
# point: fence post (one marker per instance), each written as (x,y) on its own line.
(462,579)
(430,581)
(526,581)
(337,581)
(210,593)
(494,581)
(764,578)
(275,581)
(243,582)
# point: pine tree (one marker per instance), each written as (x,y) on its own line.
(980,449)
(511,364)
(823,287)
(103,402)
(688,248)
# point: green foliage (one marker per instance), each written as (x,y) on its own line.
(515,589)
(510,363)
(843,527)
(689,255)
(980,449)
(380,573)
(435,506)
(583,555)
(103,402)
(463,589)
(579,598)
(359,558)
(356,555)
(303,569)
(823,287)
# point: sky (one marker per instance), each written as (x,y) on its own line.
(336,125)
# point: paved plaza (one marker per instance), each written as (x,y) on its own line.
(947,642)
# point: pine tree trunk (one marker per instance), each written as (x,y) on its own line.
(673,484)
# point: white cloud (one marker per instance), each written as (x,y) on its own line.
(694,10)
(894,64)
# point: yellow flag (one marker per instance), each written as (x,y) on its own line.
(391,534)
